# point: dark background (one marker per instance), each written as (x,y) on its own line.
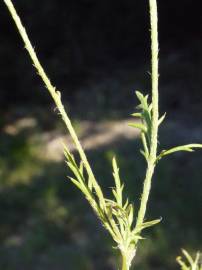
(80,40)
(97,53)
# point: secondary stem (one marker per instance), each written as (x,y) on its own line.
(55,95)
(155,113)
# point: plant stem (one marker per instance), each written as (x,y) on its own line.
(124,263)
(155,113)
(55,95)
(57,99)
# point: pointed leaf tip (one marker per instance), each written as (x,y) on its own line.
(187,148)
(147,224)
(138,94)
(161,119)
(139,126)
(136,114)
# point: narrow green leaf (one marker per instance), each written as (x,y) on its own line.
(126,204)
(140,96)
(188,148)
(150,107)
(76,172)
(119,187)
(137,237)
(192,263)
(143,100)
(78,185)
(68,154)
(146,225)
(131,215)
(139,126)
(115,194)
(161,119)
(81,168)
(90,183)
(182,264)
(137,115)
(146,150)
(144,154)
(188,257)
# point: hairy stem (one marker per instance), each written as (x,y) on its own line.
(128,256)
(55,95)
(155,113)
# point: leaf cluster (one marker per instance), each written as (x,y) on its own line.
(144,114)
(117,214)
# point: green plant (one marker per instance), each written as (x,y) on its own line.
(121,219)
(193,264)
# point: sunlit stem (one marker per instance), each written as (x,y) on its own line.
(125,265)
(55,95)
(155,114)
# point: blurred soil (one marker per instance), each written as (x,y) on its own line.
(46,224)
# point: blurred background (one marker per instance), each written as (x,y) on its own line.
(98,54)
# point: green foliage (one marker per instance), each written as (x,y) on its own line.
(116,215)
(191,263)
(146,122)
(145,126)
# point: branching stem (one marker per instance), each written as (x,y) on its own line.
(155,113)
(129,254)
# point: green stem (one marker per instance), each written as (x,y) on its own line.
(155,113)
(55,95)
(124,263)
